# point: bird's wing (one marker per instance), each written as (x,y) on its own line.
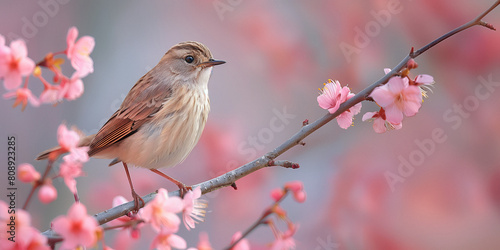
(141,103)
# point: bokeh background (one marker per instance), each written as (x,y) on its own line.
(278,54)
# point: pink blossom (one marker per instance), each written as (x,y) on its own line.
(27,237)
(193,208)
(297,189)
(14,63)
(22,95)
(105,247)
(332,95)
(30,239)
(204,243)
(47,193)
(424,80)
(79,52)
(285,241)
(242,244)
(78,154)
(68,141)
(72,163)
(161,212)
(380,125)
(27,173)
(277,194)
(71,88)
(165,240)
(51,93)
(397,97)
(345,119)
(77,228)
(4,215)
(69,170)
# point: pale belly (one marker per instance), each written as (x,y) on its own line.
(164,142)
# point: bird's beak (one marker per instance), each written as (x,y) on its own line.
(210,63)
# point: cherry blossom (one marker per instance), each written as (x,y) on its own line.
(51,93)
(71,88)
(26,236)
(380,124)
(424,80)
(204,243)
(297,189)
(14,63)
(193,208)
(77,228)
(27,173)
(79,52)
(332,95)
(68,141)
(277,194)
(165,240)
(69,170)
(161,212)
(242,244)
(285,241)
(47,193)
(397,97)
(22,95)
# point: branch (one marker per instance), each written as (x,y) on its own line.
(230,178)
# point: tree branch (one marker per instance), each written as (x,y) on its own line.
(229,178)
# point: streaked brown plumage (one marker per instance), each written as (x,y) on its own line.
(162,117)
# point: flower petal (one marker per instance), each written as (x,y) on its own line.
(345,120)
(369,115)
(382,96)
(397,84)
(379,125)
(424,79)
(393,114)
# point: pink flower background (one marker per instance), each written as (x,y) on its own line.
(445,196)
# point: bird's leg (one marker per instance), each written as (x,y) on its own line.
(137,198)
(183,189)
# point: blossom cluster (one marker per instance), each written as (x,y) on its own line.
(15,64)
(79,229)
(16,231)
(400,96)
(70,168)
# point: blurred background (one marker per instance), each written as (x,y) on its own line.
(403,189)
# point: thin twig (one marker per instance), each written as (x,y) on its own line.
(38,184)
(260,221)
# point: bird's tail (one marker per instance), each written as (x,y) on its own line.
(55,152)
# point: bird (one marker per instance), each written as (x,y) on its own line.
(162,117)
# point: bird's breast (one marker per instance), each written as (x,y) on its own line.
(174,130)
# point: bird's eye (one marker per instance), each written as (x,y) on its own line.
(189,59)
